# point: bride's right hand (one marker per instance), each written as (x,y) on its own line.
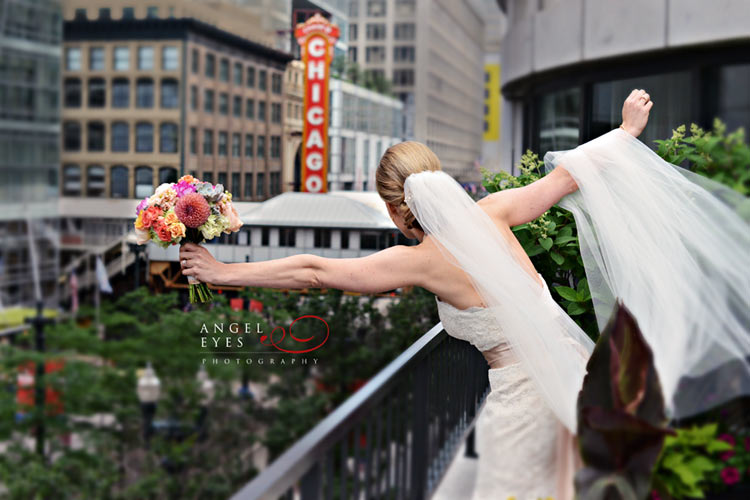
(635,111)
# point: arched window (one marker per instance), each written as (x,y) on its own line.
(169,93)
(95,133)
(120,137)
(71,180)
(120,93)
(72,136)
(144,93)
(168,138)
(144,137)
(97,93)
(119,178)
(72,91)
(167,174)
(95,181)
(144,182)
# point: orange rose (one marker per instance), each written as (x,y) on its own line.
(177,230)
(150,215)
(171,218)
(162,230)
(186,178)
(234,219)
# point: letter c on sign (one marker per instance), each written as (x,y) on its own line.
(317,47)
(315,115)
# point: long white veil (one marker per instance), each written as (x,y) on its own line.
(673,247)
(651,235)
(551,346)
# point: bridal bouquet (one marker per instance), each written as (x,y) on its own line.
(186,211)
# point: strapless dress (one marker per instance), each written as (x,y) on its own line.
(524,450)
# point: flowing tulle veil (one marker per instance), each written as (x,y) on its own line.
(674,247)
(665,241)
(552,347)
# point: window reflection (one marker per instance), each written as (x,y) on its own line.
(733,106)
(672,98)
(559,120)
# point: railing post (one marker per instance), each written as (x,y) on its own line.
(419,430)
(310,483)
(470,448)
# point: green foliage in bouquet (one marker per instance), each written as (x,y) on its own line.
(621,419)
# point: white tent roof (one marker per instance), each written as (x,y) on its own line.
(340,209)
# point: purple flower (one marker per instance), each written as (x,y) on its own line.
(728,438)
(726,455)
(143,204)
(730,475)
(182,188)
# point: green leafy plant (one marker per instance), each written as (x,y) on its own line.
(722,157)
(690,461)
(551,240)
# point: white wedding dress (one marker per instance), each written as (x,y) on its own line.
(524,451)
(670,245)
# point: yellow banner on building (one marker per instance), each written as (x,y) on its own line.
(491,102)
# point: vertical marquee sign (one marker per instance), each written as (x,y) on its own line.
(316,38)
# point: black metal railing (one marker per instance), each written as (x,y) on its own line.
(392,439)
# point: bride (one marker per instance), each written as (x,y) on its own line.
(673,252)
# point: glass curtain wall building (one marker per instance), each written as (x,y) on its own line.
(569,64)
(30,40)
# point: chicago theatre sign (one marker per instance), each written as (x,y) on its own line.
(316,38)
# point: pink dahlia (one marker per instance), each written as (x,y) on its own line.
(192,209)
(730,475)
(728,438)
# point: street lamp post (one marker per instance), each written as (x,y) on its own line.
(137,249)
(38,322)
(148,390)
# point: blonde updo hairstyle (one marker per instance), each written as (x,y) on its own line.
(399,162)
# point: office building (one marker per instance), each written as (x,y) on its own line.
(569,64)
(30,38)
(433,53)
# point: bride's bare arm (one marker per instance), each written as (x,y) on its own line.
(520,205)
(385,270)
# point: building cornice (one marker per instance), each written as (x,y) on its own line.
(163,29)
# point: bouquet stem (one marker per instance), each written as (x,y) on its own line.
(198,292)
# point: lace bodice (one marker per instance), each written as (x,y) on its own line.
(476,324)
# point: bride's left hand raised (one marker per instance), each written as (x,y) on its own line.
(198,262)
(635,111)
